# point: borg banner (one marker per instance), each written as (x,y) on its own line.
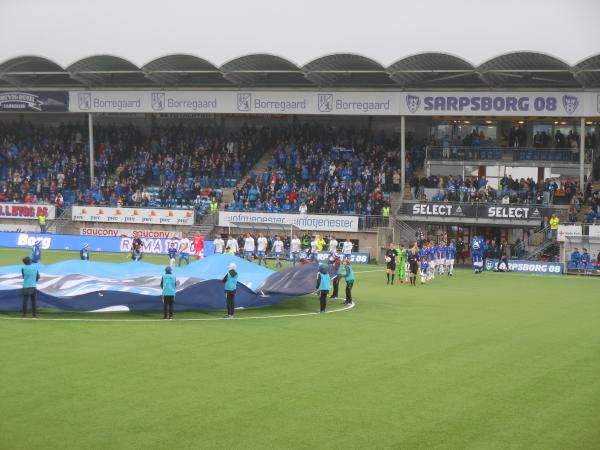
(473,210)
(19,101)
(96,244)
(133,215)
(302,221)
(26,211)
(538,267)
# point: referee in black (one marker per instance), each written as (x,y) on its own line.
(390,259)
(413,264)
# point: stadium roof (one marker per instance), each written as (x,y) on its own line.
(524,70)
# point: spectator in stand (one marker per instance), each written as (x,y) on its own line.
(553,222)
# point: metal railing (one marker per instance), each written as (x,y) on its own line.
(497,153)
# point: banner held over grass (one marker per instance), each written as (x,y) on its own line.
(135,286)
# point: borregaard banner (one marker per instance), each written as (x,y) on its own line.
(26,211)
(233,102)
(133,215)
(422,103)
(312,222)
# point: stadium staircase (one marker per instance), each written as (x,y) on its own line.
(258,168)
(61,222)
(206,226)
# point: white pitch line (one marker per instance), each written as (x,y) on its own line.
(346,308)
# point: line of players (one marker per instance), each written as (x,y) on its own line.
(260,247)
(424,260)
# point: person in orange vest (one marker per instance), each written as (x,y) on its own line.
(198,245)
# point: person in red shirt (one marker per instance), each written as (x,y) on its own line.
(198,245)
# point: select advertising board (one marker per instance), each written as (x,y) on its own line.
(474,210)
(157,246)
(27,211)
(184,217)
(312,222)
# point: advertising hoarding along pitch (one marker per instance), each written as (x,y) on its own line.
(133,215)
(26,211)
(309,222)
(96,243)
(126,232)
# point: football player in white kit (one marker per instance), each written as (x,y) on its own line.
(249,247)
(347,248)
(333,245)
(261,249)
(278,251)
(219,244)
(295,246)
(232,245)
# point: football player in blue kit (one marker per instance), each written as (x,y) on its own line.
(424,255)
(441,254)
(431,260)
(450,256)
(477,245)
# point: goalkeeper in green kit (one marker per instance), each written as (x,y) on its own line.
(401,252)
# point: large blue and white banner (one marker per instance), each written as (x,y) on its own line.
(96,243)
(418,103)
(310,222)
(537,267)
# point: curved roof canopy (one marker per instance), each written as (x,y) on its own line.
(421,71)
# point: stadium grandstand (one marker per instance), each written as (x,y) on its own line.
(341,134)
(317,225)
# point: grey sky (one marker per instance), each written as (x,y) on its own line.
(67,30)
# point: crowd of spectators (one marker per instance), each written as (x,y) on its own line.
(187,164)
(479,190)
(319,169)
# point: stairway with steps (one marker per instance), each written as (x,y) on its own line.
(58,224)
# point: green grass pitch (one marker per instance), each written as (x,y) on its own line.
(490,361)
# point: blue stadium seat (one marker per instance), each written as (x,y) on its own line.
(572,266)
